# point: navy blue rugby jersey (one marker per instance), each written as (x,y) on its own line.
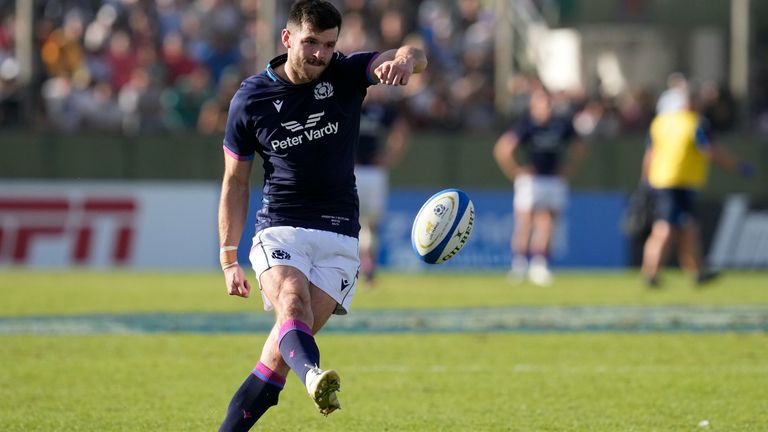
(545,144)
(306,136)
(375,121)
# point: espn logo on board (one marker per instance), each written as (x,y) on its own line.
(77,227)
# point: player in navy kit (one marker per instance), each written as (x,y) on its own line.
(552,152)
(302,117)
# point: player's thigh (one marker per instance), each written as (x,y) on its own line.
(287,290)
(280,255)
(523,219)
(544,220)
(661,231)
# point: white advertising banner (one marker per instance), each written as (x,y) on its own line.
(741,238)
(137,225)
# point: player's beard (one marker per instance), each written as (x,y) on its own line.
(310,69)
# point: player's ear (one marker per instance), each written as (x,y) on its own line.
(285,36)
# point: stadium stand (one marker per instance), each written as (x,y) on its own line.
(169,65)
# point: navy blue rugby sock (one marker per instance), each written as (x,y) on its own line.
(254,397)
(298,347)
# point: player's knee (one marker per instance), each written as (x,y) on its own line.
(295,307)
(297,311)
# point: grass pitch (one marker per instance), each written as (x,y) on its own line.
(390,382)
(71,293)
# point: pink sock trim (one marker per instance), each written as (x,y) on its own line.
(293,325)
(266,374)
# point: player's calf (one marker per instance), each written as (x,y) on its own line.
(256,395)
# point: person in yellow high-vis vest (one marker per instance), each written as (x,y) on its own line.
(676,165)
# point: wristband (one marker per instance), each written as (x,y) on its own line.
(230,265)
(228,257)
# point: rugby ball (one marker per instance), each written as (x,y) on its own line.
(442,226)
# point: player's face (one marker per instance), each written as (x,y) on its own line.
(541,107)
(309,51)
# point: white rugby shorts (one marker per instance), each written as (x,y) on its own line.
(534,192)
(329,260)
(372,189)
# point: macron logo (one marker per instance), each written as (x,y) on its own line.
(278,104)
(312,120)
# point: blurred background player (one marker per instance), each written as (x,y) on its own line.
(551,153)
(384,134)
(676,165)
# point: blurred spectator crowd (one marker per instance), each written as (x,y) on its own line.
(132,65)
(144,66)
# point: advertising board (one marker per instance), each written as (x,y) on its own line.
(103,225)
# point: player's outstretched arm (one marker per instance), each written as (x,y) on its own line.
(729,162)
(233,207)
(395,67)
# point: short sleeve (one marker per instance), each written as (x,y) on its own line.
(357,66)
(703,135)
(239,140)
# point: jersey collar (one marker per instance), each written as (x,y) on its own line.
(275,62)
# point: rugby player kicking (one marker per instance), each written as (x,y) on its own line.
(302,117)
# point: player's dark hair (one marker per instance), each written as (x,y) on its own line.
(318,14)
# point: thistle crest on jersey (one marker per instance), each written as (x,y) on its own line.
(323,90)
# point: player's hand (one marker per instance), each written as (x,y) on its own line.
(395,72)
(236,282)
